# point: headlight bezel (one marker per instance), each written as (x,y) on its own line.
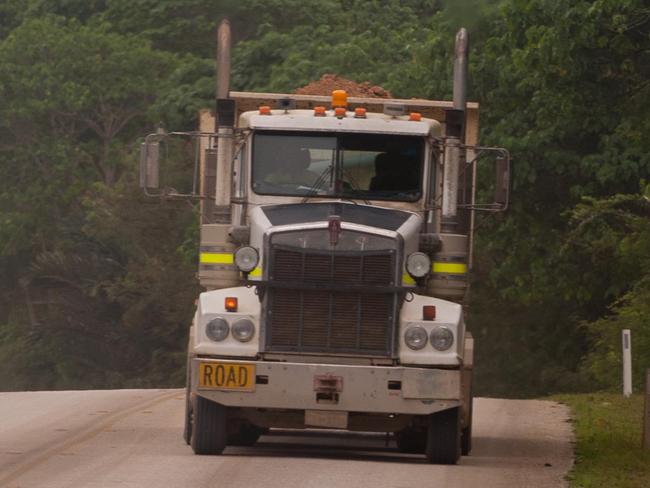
(240,261)
(412,330)
(418,270)
(243,321)
(441,329)
(211,331)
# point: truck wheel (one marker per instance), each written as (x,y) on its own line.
(208,427)
(411,441)
(187,431)
(245,434)
(443,437)
(466,433)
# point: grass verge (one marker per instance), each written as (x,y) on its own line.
(608,441)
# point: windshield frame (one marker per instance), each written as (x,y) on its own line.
(337,172)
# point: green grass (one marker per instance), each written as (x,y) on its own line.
(608,441)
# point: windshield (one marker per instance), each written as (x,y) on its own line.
(358,166)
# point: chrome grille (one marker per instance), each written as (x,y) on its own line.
(337,302)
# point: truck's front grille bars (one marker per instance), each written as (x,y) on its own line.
(331,302)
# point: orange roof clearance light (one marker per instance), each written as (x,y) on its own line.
(265,110)
(415,116)
(339,112)
(359,113)
(339,99)
(319,111)
(231,304)
(428,312)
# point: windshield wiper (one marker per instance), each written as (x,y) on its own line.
(317,184)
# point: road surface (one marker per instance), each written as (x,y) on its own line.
(132,438)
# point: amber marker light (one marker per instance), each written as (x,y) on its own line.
(231,304)
(339,99)
(415,116)
(319,111)
(265,110)
(339,112)
(359,113)
(428,312)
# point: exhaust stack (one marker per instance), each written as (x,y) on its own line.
(225,121)
(450,267)
(455,133)
(222,79)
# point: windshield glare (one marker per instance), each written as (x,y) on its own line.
(357,166)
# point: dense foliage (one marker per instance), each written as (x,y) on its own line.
(97,283)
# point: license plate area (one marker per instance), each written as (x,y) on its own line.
(326,418)
(227,376)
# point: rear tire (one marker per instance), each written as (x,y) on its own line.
(208,427)
(443,437)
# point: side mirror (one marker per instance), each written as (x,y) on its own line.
(485,185)
(150,164)
(502,182)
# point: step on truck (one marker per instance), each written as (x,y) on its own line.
(335,247)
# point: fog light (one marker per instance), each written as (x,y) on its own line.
(418,264)
(246,258)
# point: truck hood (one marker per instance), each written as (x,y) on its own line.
(388,222)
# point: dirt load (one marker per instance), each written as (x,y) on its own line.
(330,82)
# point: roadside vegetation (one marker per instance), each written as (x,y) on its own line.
(97,283)
(608,441)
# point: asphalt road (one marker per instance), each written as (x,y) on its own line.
(132,438)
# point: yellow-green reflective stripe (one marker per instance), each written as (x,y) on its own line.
(407,279)
(450,268)
(256,272)
(217,258)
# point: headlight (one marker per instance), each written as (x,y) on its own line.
(418,264)
(442,338)
(246,258)
(415,338)
(243,330)
(217,329)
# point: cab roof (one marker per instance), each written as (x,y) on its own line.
(305,120)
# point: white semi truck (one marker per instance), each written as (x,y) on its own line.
(335,248)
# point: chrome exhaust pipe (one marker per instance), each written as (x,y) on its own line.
(222,77)
(455,135)
(225,120)
(461,53)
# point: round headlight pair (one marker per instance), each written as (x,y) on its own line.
(218,329)
(441,338)
(418,264)
(246,258)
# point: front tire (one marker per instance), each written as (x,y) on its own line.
(208,427)
(187,431)
(411,441)
(443,437)
(244,434)
(466,434)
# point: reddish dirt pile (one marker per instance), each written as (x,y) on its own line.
(329,82)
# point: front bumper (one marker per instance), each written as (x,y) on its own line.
(364,389)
